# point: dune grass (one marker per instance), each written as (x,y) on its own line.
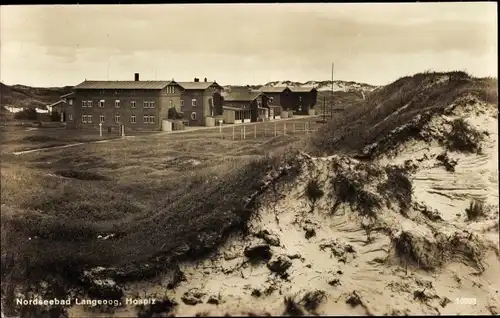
(158,201)
(394,106)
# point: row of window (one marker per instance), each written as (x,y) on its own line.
(87,119)
(145,104)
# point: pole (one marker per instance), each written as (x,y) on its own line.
(244,132)
(293,129)
(331,107)
(233,132)
(100,129)
(265,130)
(241,133)
(275,130)
(305,128)
(254,131)
(324,108)
(123,130)
(284,129)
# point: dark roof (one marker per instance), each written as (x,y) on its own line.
(196,85)
(123,84)
(241,96)
(270,89)
(301,89)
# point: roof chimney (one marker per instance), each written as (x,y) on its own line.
(136,77)
(196,79)
(205,79)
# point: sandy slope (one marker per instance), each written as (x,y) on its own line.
(341,259)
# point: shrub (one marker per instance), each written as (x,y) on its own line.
(463,137)
(475,210)
(27,114)
(314,191)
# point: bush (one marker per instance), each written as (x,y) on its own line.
(174,114)
(475,210)
(314,191)
(463,137)
(27,114)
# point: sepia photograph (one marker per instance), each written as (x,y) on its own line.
(249,159)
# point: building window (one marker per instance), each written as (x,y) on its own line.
(101,103)
(145,118)
(145,104)
(89,103)
(101,118)
(151,104)
(170,89)
(117,103)
(70,116)
(193,102)
(70,102)
(132,119)
(151,119)
(170,104)
(182,103)
(87,119)
(132,104)
(84,103)
(193,116)
(117,119)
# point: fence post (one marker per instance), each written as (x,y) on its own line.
(284,129)
(275,130)
(293,128)
(241,133)
(305,128)
(265,130)
(255,131)
(244,132)
(233,132)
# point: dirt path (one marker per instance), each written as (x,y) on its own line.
(162,133)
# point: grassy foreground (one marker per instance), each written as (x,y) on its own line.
(169,196)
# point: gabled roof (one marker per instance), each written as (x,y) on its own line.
(241,96)
(123,84)
(197,85)
(56,103)
(301,89)
(271,89)
(68,95)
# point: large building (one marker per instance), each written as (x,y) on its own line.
(138,105)
(197,100)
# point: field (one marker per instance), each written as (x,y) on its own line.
(140,189)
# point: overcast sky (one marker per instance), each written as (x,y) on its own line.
(244,43)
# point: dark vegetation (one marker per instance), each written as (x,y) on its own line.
(54,228)
(475,210)
(27,114)
(464,138)
(352,187)
(397,105)
(312,300)
(174,114)
(314,191)
(292,308)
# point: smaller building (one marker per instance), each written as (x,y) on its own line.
(252,106)
(58,108)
